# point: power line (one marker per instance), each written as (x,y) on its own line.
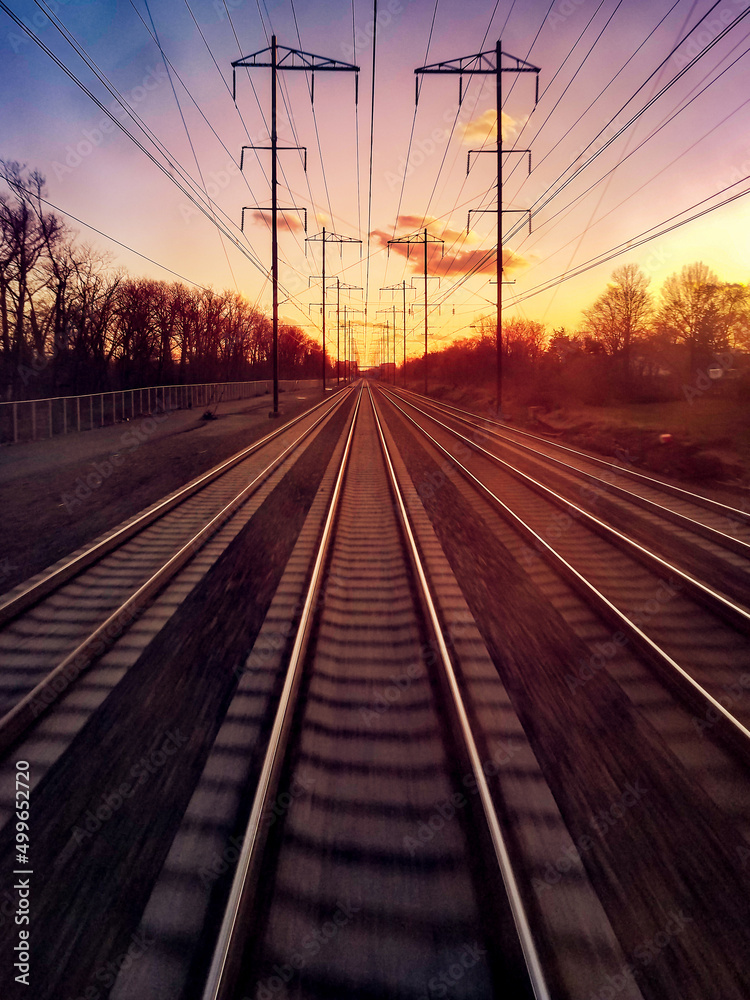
(537,206)
(125,246)
(372,138)
(648,138)
(150,135)
(315,122)
(189,137)
(641,239)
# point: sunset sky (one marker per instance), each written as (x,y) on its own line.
(600,64)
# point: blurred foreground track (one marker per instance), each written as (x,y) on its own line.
(399,728)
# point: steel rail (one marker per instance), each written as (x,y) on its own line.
(38,701)
(733,513)
(224,966)
(715,535)
(520,918)
(735,732)
(35,591)
(732,613)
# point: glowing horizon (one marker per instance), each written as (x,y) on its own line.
(98,174)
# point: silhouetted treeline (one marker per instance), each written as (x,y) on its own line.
(631,345)
(70,323)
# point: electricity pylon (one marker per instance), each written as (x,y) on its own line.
(349,288)
(327,237)
(423,237)
(481,63)
(280,58)
(402,287)
(391,311)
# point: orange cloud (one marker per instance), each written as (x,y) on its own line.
(288,221)
(484,128)
(448,260)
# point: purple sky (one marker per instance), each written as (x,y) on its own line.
(592,71)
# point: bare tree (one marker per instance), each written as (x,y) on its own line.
(621,314)
(524,341)
(703,313)
(27,232)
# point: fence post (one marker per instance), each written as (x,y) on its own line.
(49,412)
(65,414)
(33,420)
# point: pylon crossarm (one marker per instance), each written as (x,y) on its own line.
(478,211)
(333,238)
(480,62)
(494,153)
(493,211)
(294,59)
(521,211)
(278,149)
(287,58)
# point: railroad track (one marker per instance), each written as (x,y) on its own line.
(380,738)
(378,619)
(619,575)
(710,537)
(54,626)
(726,519)
(672,653)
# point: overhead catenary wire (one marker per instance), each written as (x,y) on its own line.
(543,201)
(189,137)
(119,243)
(173,163)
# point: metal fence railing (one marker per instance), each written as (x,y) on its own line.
(35,419)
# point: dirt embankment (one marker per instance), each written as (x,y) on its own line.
(671,451)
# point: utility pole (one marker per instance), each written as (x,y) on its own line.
(425,238)
(280,58)
(327,237)
(388,335)
(349,341)
(347,288)
(481,63)
(392,310)
(403,287)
